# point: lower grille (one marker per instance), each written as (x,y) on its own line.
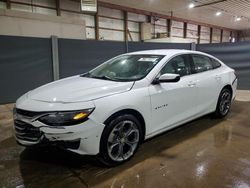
(27,132)
(70,144)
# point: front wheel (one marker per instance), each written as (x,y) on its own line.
(120,140)
(224,103)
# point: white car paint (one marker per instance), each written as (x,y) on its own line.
(162,106)
(76,89)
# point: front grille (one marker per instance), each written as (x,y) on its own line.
(27,132)
(28,113)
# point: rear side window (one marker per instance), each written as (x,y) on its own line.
(216,64)
(201,63)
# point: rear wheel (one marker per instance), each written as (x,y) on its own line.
(224,103)
(120,140)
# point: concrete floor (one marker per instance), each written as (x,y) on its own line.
(204,153)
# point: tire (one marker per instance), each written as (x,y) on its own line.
(224,103)
(120,140)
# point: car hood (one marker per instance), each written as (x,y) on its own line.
(78,89)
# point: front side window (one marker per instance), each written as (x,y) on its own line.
(201,63)
(126,67)
(177,65)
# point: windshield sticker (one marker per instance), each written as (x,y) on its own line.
(150,59)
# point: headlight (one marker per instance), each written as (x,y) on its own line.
(66,118)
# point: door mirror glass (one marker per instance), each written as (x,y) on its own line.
(169,78)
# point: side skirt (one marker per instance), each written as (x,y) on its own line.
(167,128)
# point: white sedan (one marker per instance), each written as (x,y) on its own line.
(111,109)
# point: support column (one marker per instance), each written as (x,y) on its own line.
(125,17)
(193,46)
(221,35)
(97,25)
(8,4)
(211,35)
(185,30)
(58,8)
(169,25)
(55,57)
(199,34)
(231,36)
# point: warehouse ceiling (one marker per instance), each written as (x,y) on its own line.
(235,14)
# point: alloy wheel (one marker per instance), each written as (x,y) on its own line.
(225,102)
(123,140)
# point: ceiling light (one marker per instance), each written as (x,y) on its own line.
(237,19)
(191,5)
(218,13)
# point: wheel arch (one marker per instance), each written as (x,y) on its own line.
(217,112)
(228,87)
(132,112)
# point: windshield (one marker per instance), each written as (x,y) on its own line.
(125,67)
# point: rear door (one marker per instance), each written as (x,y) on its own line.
(173,102)
(208,82)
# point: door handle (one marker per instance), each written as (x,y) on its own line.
(191,84)
(217,77)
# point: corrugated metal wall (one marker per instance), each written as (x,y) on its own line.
(26,62)
(235,55)
(79,56)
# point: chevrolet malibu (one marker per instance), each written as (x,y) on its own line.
(111,109)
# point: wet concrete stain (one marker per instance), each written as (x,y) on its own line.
(204,153)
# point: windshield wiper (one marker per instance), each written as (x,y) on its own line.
(87,74)
(102,77)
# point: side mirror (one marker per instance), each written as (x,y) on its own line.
(167,78)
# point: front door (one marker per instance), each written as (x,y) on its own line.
(173,102)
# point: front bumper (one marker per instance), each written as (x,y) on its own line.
(82,138)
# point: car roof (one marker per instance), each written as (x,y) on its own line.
(168,52)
